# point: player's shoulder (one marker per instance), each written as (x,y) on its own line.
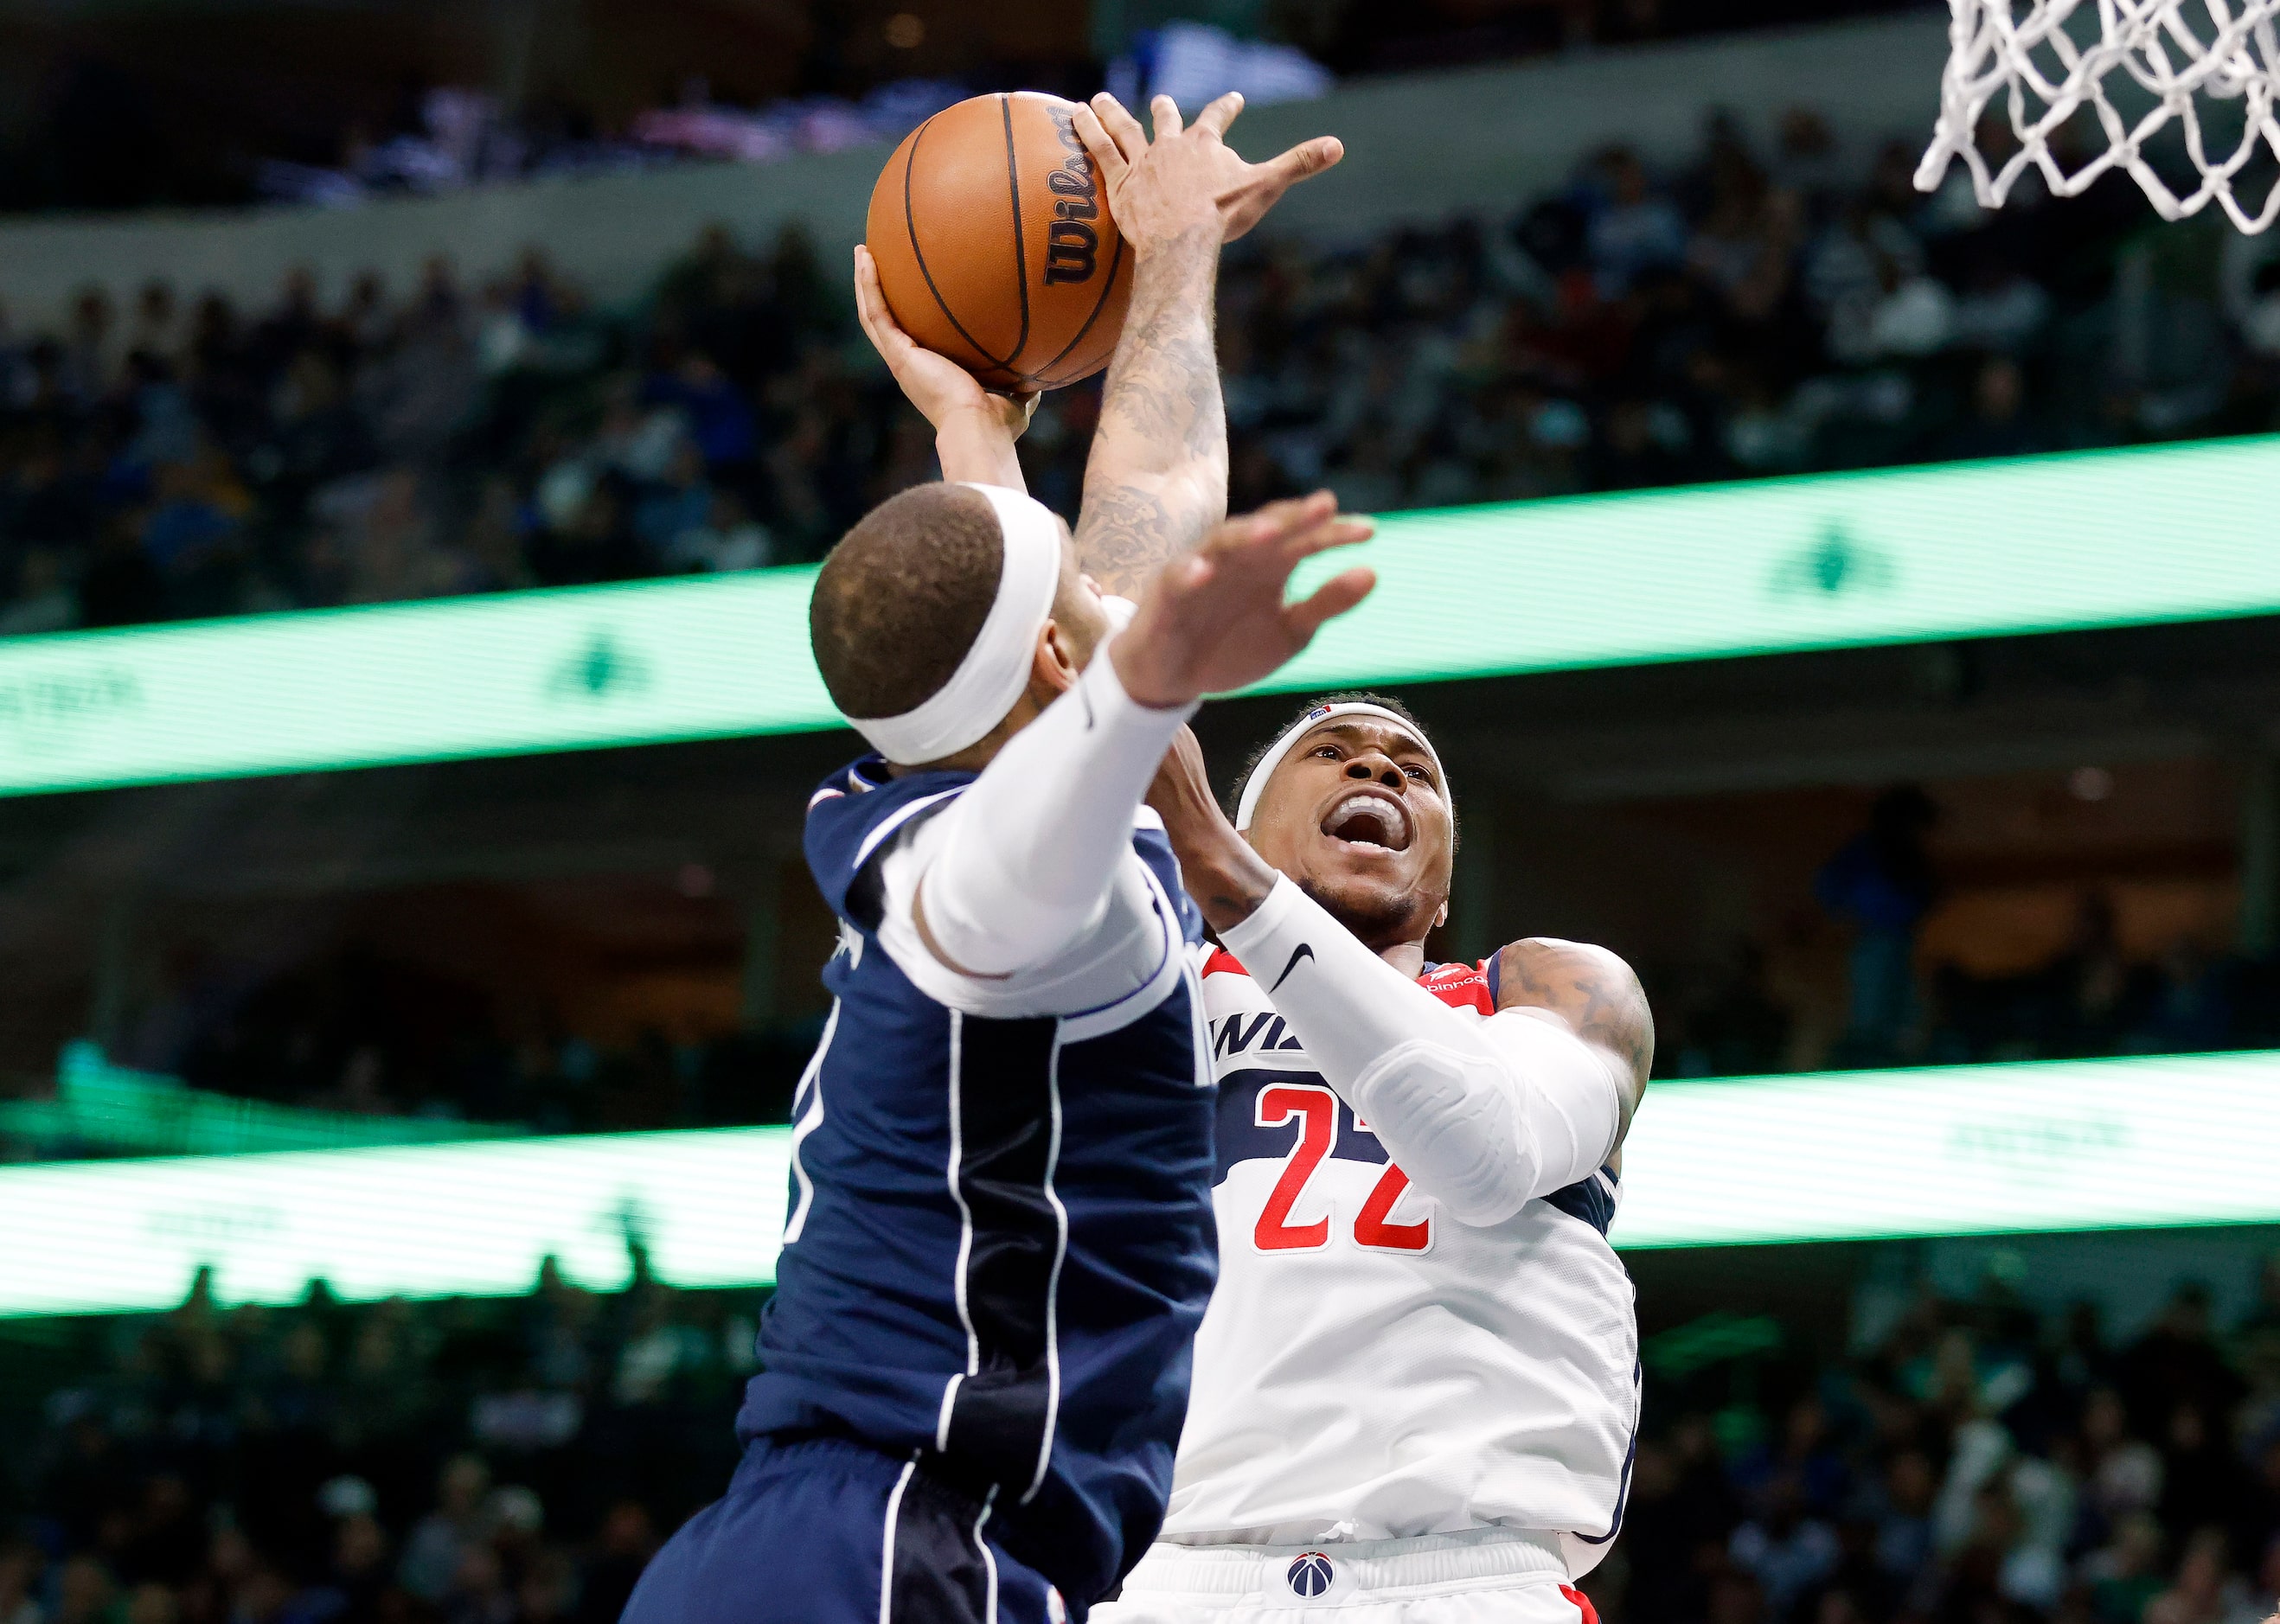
(853,818)
(1554,962)
(1589,986)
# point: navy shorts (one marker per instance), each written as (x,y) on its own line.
(826,1531)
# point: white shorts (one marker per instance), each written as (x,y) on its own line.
(1480,1577)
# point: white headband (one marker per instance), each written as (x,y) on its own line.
(997,669)
(1255,785)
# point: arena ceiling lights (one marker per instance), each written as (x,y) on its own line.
(2061,1145)
(2096,539)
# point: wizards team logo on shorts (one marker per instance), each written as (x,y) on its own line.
(1310,1574)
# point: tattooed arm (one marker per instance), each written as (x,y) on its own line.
(1156,479)
(1594,994)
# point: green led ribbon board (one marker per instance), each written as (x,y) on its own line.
(2109,538)
(2073,1144)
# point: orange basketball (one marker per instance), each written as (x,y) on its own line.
(995,246)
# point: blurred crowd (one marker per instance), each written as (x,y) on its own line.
(551,1083)
(1775,307)
(1979,1463)
(120,112)
(1771,307)
(469,1462)
(456,136)
(517,1462)
(2091,996)
(166,461)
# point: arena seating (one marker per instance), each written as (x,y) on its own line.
(1756,311)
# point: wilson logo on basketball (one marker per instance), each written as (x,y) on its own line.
(997,245)
(1072,245)
(1310,1574)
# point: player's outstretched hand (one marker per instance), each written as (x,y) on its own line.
(1214,619)
(937,385)
(1189,177)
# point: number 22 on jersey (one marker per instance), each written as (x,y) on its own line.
(1315,1109)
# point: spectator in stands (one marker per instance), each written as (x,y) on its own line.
(1633,227)
(2097,995)
(1997,425)
(1881,882)
(43,599)
(1788,1551)
(21,1566)
(2177,1363)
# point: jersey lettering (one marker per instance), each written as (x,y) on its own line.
(1318,1109)
(1231,1037)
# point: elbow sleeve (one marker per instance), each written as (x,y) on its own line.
(1482,1115)
(1485,1128)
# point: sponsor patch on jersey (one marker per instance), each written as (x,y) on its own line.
(1310,1574)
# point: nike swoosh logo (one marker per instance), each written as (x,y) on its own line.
(1303,951)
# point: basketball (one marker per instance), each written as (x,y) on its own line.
(995,246)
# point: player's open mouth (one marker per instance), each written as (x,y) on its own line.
(1369,820)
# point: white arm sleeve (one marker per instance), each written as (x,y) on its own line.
(1020,864)
(1482,1115)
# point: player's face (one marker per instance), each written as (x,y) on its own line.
(1358,816)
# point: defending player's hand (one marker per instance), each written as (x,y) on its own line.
(937,386)
(1215,619)
(1189,177)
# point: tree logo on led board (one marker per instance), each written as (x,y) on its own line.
(1835,565)
(605,669)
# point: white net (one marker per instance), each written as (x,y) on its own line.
(2180,82)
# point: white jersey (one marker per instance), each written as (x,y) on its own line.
(1371,1369)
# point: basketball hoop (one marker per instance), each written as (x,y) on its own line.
(2143,68)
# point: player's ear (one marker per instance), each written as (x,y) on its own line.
(1442,918)
(1055,668)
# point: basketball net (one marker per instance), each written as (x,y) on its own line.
(2170,61)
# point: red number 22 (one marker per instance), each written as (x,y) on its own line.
(1317,1109)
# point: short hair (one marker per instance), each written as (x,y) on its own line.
(1386,701)
(903,596)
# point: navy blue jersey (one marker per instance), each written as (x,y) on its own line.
(1000,1240)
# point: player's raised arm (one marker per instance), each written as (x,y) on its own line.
(1156,479)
